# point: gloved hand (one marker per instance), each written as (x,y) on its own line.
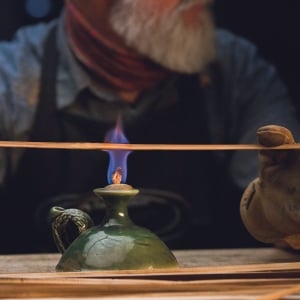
(270,206)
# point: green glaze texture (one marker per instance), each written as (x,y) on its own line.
(116,244)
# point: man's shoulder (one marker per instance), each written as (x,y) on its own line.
(30,37)
(226,39)
(228,42)
(20,64)
(21,56)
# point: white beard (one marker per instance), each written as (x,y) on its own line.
(165,38)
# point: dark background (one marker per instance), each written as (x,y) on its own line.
(272,25)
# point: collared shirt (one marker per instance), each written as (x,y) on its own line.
(248,95)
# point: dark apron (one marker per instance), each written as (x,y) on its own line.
(185,180)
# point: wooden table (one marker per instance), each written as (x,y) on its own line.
(264,273)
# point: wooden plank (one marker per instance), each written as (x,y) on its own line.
(141,147)
(275,270)
(189,275)
(241,256)
(45,263)
(215,274)
(52,288)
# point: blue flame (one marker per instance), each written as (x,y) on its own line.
(117,158)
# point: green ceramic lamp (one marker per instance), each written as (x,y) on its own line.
(116,244)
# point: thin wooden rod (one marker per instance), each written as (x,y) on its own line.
(134,147)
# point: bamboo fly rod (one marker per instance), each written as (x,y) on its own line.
(135,147)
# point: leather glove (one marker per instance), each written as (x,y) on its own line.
(270,206)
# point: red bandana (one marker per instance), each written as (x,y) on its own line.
(121,68)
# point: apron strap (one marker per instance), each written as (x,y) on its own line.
(46,127)
(46,107)
(25,188)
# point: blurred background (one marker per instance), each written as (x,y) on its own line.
(273,25)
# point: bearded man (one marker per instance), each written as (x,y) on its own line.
(173,78)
